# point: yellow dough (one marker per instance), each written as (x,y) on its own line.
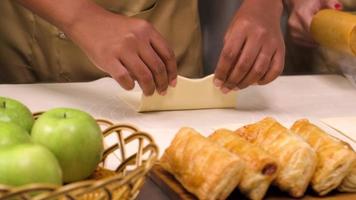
(296,159)
(187,95)
(205,169)
(335,29)
(261,169)
(335,158)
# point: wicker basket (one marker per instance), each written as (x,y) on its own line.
(131,155)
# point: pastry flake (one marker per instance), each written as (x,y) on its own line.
(349,182)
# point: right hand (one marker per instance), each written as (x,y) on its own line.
(129,49)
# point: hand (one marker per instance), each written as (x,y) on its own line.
(253,51)
(128,49)
(301,15)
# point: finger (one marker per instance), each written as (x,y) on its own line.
(140,72)
(243,65)
(305,43)
(167,56)
(157,67)
(297,36)
(227,59)
(277,65)
(122,76)
(333,4)
(258,70)
(304,18)
(299,27)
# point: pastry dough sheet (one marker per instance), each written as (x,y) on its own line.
(335,29)
(189,94)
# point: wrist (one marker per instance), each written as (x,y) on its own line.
(88,12)
(90,22)
(64,15)
(272,7)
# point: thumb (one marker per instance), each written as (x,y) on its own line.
(333,4)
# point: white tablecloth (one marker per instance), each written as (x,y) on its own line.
(287,99)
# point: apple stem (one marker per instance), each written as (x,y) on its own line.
(65,115)
(4,104)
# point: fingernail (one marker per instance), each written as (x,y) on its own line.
(338,6)
(218,83)
(236,88)
(173,83)
(225,90)
(162,93)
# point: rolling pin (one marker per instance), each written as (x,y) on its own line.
(335,29)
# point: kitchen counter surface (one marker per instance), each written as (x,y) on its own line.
(287,99)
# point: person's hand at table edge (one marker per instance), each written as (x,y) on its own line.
(254,50)
(301,14)
(128,49)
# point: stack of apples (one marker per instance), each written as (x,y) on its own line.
(63,145)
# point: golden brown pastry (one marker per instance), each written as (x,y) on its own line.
(296,159)
(335,158)
(261,169)
(349,182)
(205,169)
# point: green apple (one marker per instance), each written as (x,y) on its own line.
(14,111)
(12,134)
(28,163)
(75,139)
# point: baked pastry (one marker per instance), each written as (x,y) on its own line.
(296,159)
(205,169)
(349,182)
(260,168)
(335,158)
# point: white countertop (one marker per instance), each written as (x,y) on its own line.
(287,99)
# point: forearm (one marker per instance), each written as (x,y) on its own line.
(64,14)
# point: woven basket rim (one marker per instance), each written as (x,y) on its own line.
(7,192)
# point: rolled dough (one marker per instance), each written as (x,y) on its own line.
(189,94)
(335,29)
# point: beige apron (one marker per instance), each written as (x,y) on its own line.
(32,50)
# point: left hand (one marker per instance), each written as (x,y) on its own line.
(254,50)
(301,14)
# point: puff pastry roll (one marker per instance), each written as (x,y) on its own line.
(260,168)
(296,159)
(335,158)
(349,182)
(205,169)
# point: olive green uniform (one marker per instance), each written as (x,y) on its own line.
(32,50)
